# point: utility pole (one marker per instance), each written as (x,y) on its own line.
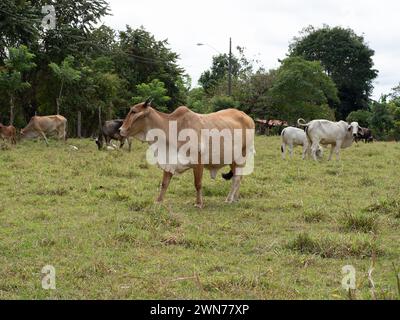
(230,68)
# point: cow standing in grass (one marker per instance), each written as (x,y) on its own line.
(41,126)
(339,135)
(8,133)
(366,135)
(110,131)
(148,124)
(292,137)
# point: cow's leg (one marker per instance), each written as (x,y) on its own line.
(305,151)
(122,142)
(129,144)
(291,151)
(331,152)
(234,193)
(314,149)
(237,191)
(337,150)
(164,185)
(198,177)
(108,140)
(44,137)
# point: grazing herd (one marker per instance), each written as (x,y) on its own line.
(178,128)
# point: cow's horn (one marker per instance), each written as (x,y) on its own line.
(148,102)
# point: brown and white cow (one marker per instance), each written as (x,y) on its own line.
(189,131)
(40,126)
(9,133)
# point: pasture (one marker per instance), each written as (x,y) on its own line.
(92,216)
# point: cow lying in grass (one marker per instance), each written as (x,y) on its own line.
(169,132)
(8,133)
(292,137)
(110,131)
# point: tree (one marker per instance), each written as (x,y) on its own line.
(345,57)
(12,75)
(198,101)
(302,89)
(18,25)
(140,58)
(210,79)
(363,117)
(223,102)
(381,120)
(156,91)
(66,75)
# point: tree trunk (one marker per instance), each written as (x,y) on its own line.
(110,112)
(58,105)
(100,122)
(58,100)
(12,115)
(79,129)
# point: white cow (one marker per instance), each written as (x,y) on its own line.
(339,135)
(292,137)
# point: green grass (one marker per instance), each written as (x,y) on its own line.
(92,216)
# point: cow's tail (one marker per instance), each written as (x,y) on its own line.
(302,123)
(228,176)
(283,135)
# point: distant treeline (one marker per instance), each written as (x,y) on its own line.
(79,70)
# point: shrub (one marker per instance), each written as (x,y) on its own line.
(360,222)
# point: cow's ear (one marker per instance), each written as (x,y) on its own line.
(349,128)
(148,102)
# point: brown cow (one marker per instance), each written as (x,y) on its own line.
(9,133)
(175,129)
(46,125)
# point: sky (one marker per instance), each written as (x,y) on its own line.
(264,27)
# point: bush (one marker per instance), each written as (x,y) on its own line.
(223,102)
(361,116)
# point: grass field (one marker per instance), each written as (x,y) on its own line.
(92,216)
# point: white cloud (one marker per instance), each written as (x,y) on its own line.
(264,27)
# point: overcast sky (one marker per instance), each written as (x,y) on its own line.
(264,27)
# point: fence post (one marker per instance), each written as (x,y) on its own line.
(79,125)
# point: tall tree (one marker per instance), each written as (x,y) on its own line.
(156,91)
(66,75)
(211,78)
(302,89)
(345,57)
(18,24)
(12,74)
(140,58)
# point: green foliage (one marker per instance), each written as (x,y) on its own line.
(140,58)
(218,72)
(381,120)
(198,101)
(345,57)
(12,76)
(156,90)
(363,117)
(65,72)
(302,89)
(223,102)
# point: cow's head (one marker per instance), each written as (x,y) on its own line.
(355,129)
(134,121)
(28,134)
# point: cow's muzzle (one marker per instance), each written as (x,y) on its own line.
(123,132)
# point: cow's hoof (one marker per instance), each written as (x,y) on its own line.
(199,205)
